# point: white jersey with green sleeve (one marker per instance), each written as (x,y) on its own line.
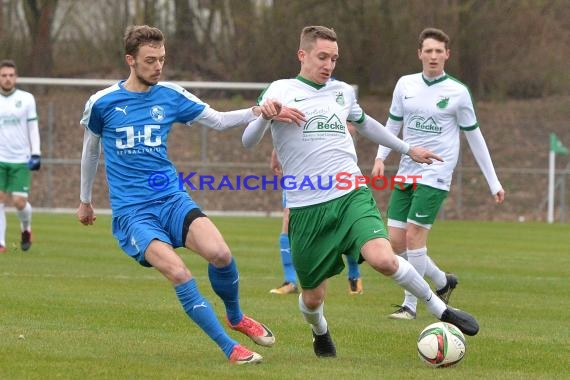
(432,114)
(312,155)
(17,111)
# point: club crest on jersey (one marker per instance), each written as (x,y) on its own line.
(18,104)
(443,103)
(340,98)
(157,113)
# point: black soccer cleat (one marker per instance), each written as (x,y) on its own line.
(26,241)
(460,319)
(323,345)
(445,293)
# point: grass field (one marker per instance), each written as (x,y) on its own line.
(75,307)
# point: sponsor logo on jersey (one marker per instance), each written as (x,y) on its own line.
(420,124)
(321,126)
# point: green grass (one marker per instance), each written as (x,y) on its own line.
(87,311)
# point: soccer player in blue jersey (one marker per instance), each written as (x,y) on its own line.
(152,215)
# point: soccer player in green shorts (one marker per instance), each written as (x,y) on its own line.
(19,151)
(432,107)
(328,219)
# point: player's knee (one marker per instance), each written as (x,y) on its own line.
(19,202)
(179,275)
(220,257)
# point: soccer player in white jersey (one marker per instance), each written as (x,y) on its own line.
(289,285)
(432,107)
(327,221)
(152,214)
(19,151)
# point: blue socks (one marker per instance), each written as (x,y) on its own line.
(353,269)
(286,259)
(201,312)
(225,282)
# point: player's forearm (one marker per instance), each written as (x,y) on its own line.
(374,131)
(222,121)
(483,157)
(89,163)
(394,128)
(34,137)
(254,132)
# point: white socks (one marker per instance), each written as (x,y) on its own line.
(435,274)
(2,225)
(408,278)
(25,216)
(418,259)
(315,318)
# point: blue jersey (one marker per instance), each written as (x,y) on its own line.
(134,128)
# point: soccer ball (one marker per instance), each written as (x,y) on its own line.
(441,344)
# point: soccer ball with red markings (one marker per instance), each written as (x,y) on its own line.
(441,344)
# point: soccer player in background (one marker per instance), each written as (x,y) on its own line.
(327,222)
(433,108)
(289,285)
(19,151)
(151,214)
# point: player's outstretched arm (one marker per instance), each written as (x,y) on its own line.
(291,115)
(378,168)
(423,155)
(255,131)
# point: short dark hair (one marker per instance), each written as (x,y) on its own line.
(436,34)
(310,34)
(8,63)
(138,35)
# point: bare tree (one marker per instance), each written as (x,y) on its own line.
(40,16)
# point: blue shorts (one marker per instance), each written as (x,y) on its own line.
(160,220)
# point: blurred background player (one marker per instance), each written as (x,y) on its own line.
(433,108)
(289,285)
(19,151)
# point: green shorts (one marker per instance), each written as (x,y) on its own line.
(14,178)
(419,206)
(321,233)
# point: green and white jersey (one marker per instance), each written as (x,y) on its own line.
(314,154)
(17,110)
(432,113)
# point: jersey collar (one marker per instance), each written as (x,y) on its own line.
(432,81)
(310,83)
(6,94)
